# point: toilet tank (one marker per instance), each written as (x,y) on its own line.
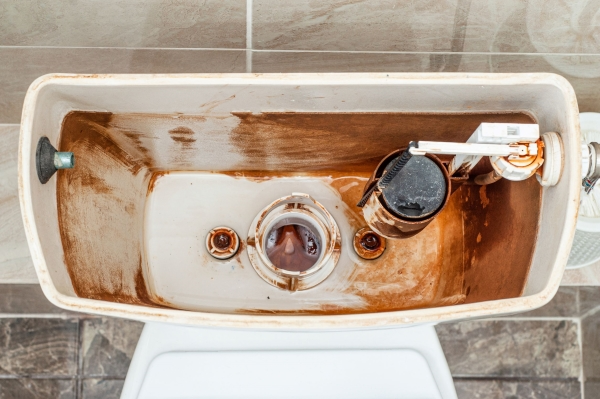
(163,159)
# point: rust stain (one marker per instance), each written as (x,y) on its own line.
(381,219)
(350,188)
(485,201)
(154,179)
(238,255)
(290,141)
(99,212)
(500,235)
(469,253)
(368,244)
(421,271)
(183,135)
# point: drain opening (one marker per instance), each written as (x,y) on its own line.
(294,243)
(293,246)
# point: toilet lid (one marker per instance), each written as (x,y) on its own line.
(373,373)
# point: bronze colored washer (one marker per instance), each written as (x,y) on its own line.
(222,243)
(368,244)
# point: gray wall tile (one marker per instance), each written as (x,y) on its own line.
(133,23)
(108,345)
(589,299)
(102,389)
(508,348)
(564,304)
(26,298)
(590,329)
(582,71)
(498,389)
(21,66)
(38,347)
(355,25)
(536,26)
(15,262)
(267,61)
(591,390)
(37,389)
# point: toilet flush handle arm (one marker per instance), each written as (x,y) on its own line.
(490,150)
(516,152)
(515,161)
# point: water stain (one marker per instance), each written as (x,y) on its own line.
(469,253)
(100,205)
(289,141)
(182,135)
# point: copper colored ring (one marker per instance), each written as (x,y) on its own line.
(364,245)
(222,242)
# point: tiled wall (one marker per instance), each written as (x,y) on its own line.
(173,36)
(46,352)
(50,353)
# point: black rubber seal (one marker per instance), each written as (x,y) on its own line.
(44,160)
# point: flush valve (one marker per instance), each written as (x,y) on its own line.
(410,187)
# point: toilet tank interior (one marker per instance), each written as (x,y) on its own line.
(158,166)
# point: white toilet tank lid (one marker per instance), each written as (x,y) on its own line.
(391,373)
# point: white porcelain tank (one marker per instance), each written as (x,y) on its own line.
(163,159)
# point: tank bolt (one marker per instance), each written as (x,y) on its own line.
(64,160)
(48,160)
(222,243)
(368,244)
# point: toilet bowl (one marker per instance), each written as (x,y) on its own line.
(184,185)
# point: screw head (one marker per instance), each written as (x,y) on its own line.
(222,242)
(368,244)
(370,241)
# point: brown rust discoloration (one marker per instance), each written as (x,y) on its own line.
(222,243)
(289,141)
(421,271)
(501,226)
(350,188)
(439,267)
(153,180)
(238,255)
(384,222)
(99,205)
(485,201)
(368,244)
(183,135)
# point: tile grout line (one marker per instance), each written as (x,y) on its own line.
(590,312)
(37,316)
(248,36)
(513,378)
(249,30)
(580,343)
(2,47)
(581,371)
(524,318)
(79,381)
(60,377)
(420,52)
(37,377)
